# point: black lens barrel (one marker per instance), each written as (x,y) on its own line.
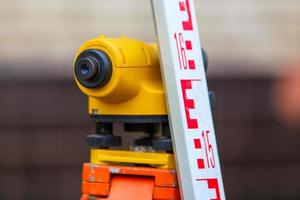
(93,68)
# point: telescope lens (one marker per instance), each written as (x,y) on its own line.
(85,69)
(93,68)
(88,68)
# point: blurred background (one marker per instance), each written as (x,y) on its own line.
(253,47)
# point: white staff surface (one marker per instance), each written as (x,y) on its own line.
(187,97)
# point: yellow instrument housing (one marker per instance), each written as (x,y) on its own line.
(135,87)
(156,159)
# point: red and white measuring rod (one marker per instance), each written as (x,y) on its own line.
(190,115)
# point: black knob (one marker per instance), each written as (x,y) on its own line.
(205,59)
(212,100)
(93,68)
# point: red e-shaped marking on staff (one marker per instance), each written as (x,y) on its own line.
(188,103)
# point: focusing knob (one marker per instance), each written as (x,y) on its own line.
(93,68)
(205,59)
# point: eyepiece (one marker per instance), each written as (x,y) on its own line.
(93,68)
(88,68)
